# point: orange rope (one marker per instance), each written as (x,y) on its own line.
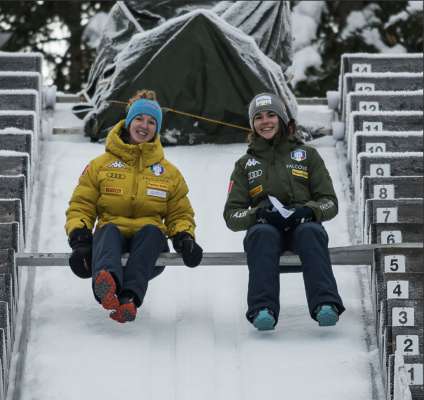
(194,116)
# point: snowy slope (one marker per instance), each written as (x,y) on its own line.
(190,340)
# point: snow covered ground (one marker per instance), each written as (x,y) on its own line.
(190,340)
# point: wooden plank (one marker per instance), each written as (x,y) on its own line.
(404,313)
(77,130)
(386,141)
(385,101)
(18,81)
(19,100)
(8,266)
(21,61)
(387,164)
(379,62)
(19,141)
(24,120)
(10,235)
(364,82)
(394,233)
(347,255)
(407,260)
(408,211)
(408,340)
(12,164)
(392,187)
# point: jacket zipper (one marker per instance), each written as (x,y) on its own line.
(135,185)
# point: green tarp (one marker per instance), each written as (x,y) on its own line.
(197,63)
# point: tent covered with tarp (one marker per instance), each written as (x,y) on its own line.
(204,71)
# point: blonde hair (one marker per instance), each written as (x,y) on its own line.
(142,94)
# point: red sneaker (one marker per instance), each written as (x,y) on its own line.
(105,289)
(126,312)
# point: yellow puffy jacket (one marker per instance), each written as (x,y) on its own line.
(131,186)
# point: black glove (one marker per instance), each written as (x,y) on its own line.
(80,240)
(301,215)
(271,216)
(191,252)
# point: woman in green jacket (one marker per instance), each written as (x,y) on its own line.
(135,199)
(280,191)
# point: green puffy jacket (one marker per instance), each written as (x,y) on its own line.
(285,168)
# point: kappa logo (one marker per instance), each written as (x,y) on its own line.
(298,155)
(263,101)
(251,162)
(117,164)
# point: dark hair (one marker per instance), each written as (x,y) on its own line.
(282,129)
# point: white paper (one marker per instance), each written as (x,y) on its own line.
(285,212)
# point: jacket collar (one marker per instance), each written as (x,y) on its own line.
(280,143)
(150,153)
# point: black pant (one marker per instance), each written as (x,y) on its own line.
(144,249)
(264,245)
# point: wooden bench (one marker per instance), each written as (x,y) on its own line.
(347,255)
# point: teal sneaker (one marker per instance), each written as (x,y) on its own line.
(327,315)
(264,320)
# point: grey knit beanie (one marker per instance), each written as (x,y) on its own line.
(267,102)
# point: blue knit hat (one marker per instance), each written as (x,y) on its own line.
(147,107)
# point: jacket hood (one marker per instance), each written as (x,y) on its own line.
(150,152)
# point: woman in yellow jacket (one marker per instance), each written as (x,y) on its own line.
(135,198)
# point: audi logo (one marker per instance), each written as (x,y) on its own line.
(255,174)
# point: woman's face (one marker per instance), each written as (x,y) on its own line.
(142,129)
(266,124)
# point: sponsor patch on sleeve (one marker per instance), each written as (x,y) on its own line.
(299,172)
(230,186)
(113,190)
(256,190)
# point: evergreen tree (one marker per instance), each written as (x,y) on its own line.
(36,25)
(388,24)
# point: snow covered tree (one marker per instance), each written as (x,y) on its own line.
(53,28)
(337,27)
